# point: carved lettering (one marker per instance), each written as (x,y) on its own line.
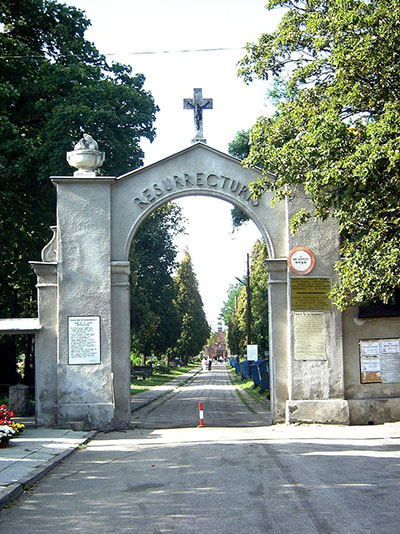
(233,186)
(177,181)
(212,184)
(167,184)
(243,189)
(148,195)
(141,203)
(187,180)
(157,189)
(224,180)
(198,179)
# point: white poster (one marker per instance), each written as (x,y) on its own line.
(390,346)
(252,353)
(83,340)
(370,348)
(370,364)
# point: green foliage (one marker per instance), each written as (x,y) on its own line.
(336,133)
(160,376)
(259,297)
(54,85)
(234,310)
(240,145)
(229,306)
(194,327)
(155,321)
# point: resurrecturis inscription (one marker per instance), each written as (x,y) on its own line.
(195,181)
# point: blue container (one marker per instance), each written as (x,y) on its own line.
(254,372)
(244,369)
(263,370)
(235,363)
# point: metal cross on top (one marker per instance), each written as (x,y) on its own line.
(198,104)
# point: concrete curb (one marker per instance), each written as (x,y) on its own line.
(16,489)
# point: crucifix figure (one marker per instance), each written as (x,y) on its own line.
(198,104)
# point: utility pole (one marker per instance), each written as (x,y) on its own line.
(248,300)
(248,294)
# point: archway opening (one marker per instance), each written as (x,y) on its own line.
(218,254)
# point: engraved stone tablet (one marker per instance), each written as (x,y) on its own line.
(309,336)
(83,340)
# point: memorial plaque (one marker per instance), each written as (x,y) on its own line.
(380,360)
(310,294)
(83,340)
(309,336)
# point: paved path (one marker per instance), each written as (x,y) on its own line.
(219,479)
(28,458)
(221,404)
(32,455)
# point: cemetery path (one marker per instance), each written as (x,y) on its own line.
(219,479)
(222,405)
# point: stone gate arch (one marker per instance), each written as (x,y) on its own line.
(83,282)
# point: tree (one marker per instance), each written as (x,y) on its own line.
(234,310)
(229,313)
(54,85)
(336,133)
(259,297)
(195,329)
(155,319)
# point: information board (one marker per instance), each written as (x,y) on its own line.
(83,340)
(310,294)
(252,353)
(309,336)
(380,360)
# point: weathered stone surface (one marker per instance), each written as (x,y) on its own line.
(18,400)
(333,411)
(376,411)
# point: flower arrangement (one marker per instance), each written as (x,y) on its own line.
(8,428)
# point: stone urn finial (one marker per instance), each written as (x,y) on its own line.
(86,157)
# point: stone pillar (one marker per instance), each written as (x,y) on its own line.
(120,301)
(84,389)
(316,386)
(279,362)
(46,344)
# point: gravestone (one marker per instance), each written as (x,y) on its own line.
(18,400)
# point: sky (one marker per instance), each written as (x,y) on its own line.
(123,30)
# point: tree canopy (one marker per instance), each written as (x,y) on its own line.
(155,321)
(336,131)
(194,327)
(234,310)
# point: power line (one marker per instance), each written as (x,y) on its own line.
(141,53)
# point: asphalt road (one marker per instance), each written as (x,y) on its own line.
(232,478)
